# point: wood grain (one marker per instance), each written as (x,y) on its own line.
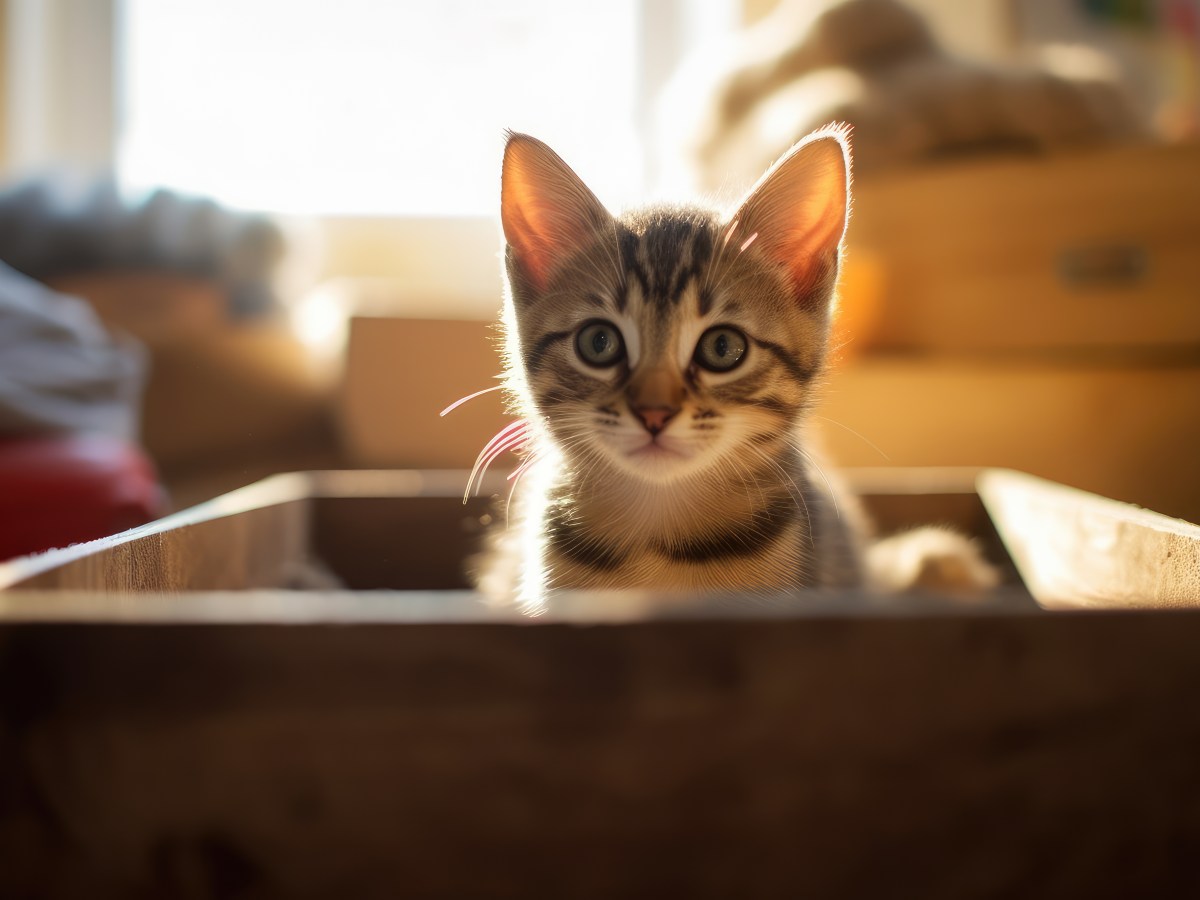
(249,538)
(1048,755)
(1075,549)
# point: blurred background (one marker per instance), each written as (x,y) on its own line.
(257,236)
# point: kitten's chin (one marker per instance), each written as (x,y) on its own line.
(659,461)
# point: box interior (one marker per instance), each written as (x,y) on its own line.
(396,531)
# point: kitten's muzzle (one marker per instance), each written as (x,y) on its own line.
(655,398)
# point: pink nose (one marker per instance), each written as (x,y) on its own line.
(654,418)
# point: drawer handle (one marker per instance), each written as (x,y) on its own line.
(1104,265)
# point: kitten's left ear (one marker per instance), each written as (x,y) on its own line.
(546,209)
(796,214)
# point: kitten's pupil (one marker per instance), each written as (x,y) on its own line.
(600,342)
(722,346)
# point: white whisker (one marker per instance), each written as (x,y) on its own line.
(858,435)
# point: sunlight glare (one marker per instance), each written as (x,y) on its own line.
(364,107)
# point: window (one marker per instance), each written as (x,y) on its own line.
(369,107)
(382,120)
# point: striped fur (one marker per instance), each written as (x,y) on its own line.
(654,469)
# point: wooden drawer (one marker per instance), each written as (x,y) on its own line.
(1095,251)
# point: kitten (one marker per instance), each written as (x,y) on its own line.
(664,363)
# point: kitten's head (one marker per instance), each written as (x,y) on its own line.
(670,340)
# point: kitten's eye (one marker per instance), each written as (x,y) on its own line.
(721,349)
(599,344)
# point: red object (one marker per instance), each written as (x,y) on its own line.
(57,490)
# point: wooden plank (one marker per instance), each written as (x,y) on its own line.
(1075,549)
(380,543)
(1050,755)
(253,537)
(368,530)
(283,607)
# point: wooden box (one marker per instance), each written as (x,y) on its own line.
(174,724)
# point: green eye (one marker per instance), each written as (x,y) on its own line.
(599,344)
(721,349)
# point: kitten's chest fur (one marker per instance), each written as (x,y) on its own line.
(783,531)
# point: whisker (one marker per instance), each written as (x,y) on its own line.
(861,437)
(828,484)
(459,402)
(510,435)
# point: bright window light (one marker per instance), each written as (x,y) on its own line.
(373,107)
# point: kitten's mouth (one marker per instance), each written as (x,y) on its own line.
(658,458)
(655,450)
(658,448)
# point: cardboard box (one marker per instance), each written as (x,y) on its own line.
(400,374)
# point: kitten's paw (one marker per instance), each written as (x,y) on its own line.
(931,559)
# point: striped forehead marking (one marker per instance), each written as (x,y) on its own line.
(666,257)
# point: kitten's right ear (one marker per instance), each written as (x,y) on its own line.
(547,210)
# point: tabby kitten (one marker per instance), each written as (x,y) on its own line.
(664,363)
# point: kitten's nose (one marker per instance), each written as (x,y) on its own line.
(655,396)
(655,418)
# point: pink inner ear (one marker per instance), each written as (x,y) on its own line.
(546,210)
(523,238)
(524,228)
(809,254)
